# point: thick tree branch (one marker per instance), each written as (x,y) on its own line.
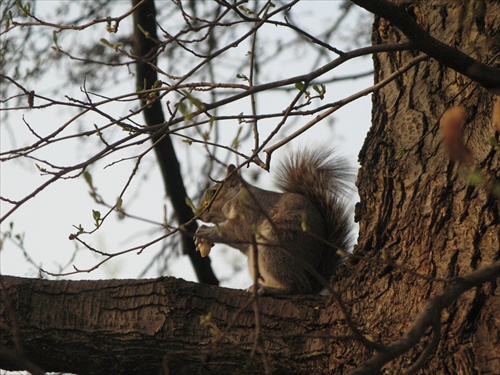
(107,326)
(486,76)
(142,326)
(145,45)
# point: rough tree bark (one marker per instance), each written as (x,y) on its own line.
(417,210)
(173,326)
(142,326)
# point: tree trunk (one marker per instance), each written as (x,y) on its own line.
(418,208)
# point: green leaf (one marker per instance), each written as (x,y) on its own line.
(246,10)
(105,42)
(110,45)
(97,217)
(185,111)
(27,9)
(190,203)
(20,239)
(242,77)
(79,228)
(193,100)
(54,38)
(299,85)
(157,84)
(119,208)
(88,178)
(119,204)
(183,108)
(207,197)
(96,214)
(41,169)
(146,33)
(321,90)
(109,27)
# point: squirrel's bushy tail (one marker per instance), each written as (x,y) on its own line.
(328,181)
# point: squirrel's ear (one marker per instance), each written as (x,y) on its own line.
(230,169)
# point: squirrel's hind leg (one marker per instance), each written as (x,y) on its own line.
(278,274)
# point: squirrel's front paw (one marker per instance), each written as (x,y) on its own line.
(203,245)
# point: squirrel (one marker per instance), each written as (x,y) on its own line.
(297,233)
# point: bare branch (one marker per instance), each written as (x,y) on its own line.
(486,76)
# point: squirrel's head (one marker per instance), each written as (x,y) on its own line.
(218,195)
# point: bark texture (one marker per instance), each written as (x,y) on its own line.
(153,326)
(418,208)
